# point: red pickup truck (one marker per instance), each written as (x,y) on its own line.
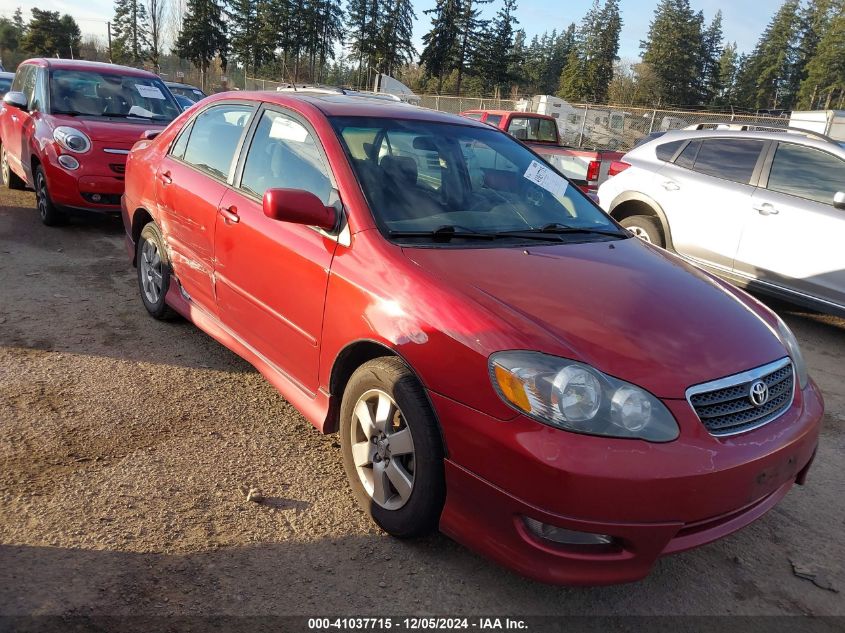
(588,168)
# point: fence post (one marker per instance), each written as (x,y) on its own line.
(651,125)
(583,125)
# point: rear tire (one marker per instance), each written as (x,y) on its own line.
(9,178)
(392,451)
(49,213)
(153,272)
(646,228)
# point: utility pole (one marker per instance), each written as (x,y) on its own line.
(108,29)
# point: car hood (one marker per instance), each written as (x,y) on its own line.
(110,130)
(631,310)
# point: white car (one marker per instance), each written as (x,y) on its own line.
(764,208)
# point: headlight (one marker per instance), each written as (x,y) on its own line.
(71,139)
(576,397)
(791,344)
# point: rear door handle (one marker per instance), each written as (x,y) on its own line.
(165,178)
(230,214)
(766,209)
(671,186)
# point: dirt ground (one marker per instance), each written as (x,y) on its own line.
(124,443)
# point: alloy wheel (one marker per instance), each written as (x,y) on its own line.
(4,167)
(41,195)
(151,276)
(640,232)
(382,449)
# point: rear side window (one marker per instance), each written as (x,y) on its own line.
(666,151)
(532,129)
(493,119)
(178,149)
(728,159)
(475,116)
(215,137)
(687,157)
(806,173)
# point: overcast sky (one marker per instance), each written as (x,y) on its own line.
(743,21)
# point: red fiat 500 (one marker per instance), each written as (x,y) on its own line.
(500,358)
(66,127)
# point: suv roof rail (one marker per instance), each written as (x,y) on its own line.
(752,127)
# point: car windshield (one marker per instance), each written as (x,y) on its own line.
(95,94)
(5,84)
(425,179)
(194,94)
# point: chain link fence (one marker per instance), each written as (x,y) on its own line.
(593,126)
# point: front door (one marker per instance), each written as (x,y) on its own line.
(271,276)
(191,182)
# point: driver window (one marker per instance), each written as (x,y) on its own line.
(283,155)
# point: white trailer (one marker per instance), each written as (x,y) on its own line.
(829,122)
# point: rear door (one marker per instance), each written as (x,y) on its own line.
(706,194)
(271,276)
(794,236)
(192,180)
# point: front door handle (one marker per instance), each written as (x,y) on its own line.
(766,209)
(230,214)
(671,186)
(165,178)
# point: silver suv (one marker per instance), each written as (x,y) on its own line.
(762,207)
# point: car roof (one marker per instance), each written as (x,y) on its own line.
(793,136)
(332,105)
(82,64)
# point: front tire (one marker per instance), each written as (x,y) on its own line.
(646,228)
(153,272)
(9,178)
(49,213)
(392,451)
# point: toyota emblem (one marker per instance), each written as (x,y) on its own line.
(759,393)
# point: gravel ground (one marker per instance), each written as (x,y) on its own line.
(125,443)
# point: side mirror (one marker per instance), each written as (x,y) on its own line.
(299,207)
(16,100)
(839,200)
(148,135)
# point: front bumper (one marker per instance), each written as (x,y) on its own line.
(655,499)
(85,188)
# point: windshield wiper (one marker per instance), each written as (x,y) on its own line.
(445,233)
(556,228)
(70,113)
(126,115)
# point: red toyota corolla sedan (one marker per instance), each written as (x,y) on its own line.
(500,358)
(66,127)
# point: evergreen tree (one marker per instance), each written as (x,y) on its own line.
(728,68)
(768,76)
(573,85)
(494,59)
(711,58)
(441,42)
(395,45)
(130,32)
(815,20)
(12,31)
(824,86)
(203,35)
(673,51)
(600,60)
(49,34)
(470,27)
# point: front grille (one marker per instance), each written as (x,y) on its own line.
(112,199)
(725,406)
(118,168)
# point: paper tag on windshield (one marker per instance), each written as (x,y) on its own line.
(545,177)
(149,92)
